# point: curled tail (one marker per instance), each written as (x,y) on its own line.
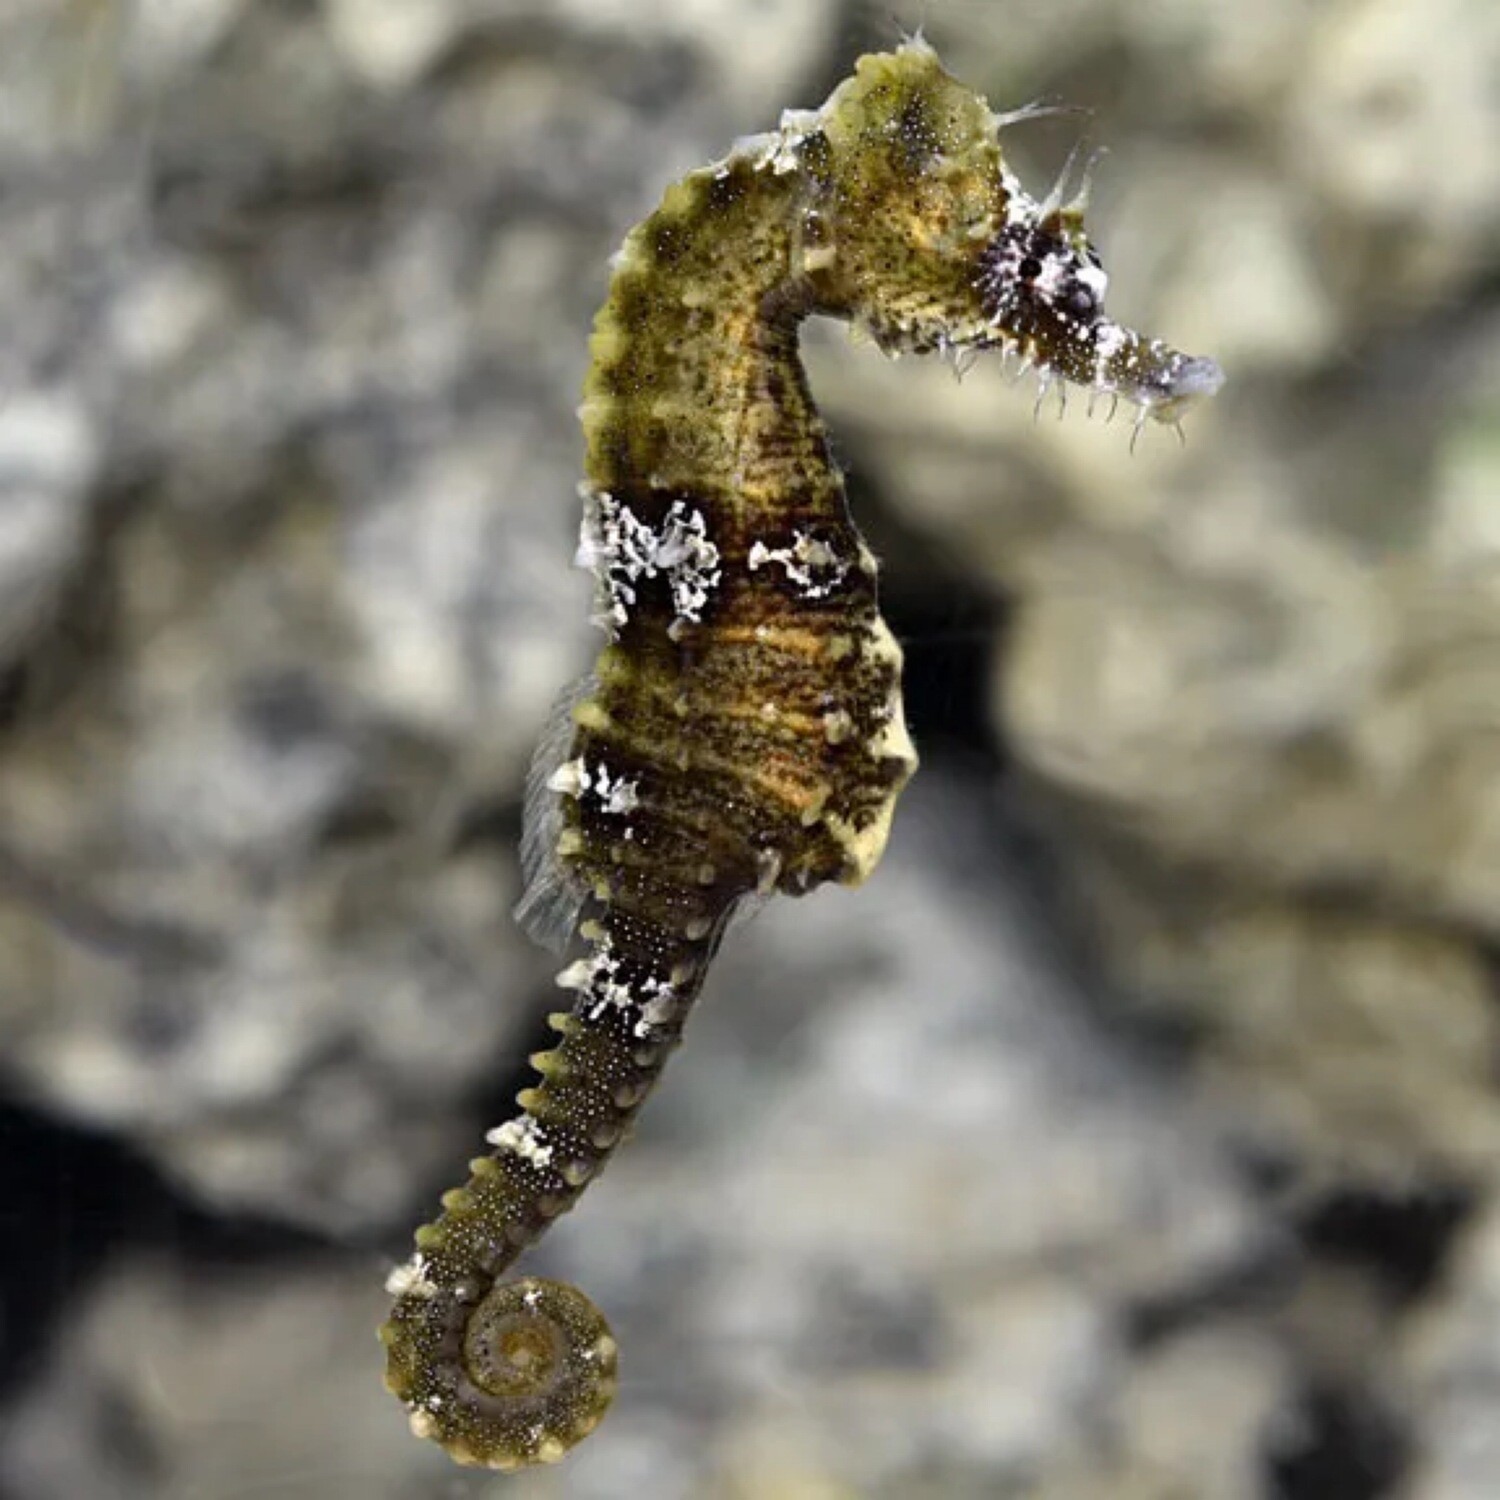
(509,1373)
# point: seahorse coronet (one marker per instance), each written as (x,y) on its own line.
(742,731)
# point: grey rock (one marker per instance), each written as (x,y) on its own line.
(48,453)
(1451,1365)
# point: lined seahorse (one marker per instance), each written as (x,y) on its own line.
(742,731)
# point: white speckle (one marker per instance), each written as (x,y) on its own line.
(596,980)
(810,563)
(576,976)
(1020,206)
(1096,279)
(607,993)
(1053,276)
(571,778)
(621,549)
(523,1137)
(838,726)
(757,149)
(796,126)
(616,794)
(778,149)
(1111,339)
(1108,342)
(659,1008)
(411,1279)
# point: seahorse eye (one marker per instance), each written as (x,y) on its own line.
(1080,300)
(1031,274)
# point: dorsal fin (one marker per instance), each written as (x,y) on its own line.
(551,898)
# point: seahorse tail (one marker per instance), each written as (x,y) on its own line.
(510,1373)
(514,1378)
(500,1373)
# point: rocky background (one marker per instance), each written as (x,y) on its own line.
(1134,1135)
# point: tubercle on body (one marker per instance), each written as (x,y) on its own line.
(742,731)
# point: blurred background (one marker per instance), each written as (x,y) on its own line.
(1131,1136)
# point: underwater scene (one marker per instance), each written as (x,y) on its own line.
(502,502)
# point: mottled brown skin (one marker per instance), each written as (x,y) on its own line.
(697,392)
(756,729)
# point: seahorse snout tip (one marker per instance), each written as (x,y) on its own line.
(1196,379)
(1180,383)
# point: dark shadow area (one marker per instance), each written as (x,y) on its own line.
(1335,1446)
(1403,1240)
(72,1199)
(949,629)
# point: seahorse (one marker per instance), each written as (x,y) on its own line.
(742,731)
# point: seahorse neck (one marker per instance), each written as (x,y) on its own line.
(696,385)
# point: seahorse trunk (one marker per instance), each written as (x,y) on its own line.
(751,688)
(514,1373)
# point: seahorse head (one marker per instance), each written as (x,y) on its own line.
(936,245)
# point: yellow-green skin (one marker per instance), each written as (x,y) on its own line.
(745,730)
